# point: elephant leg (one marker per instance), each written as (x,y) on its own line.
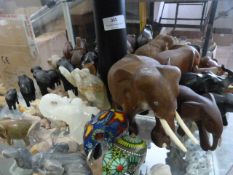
(9,105)
(27,101)
(43,90)
(52,86)
(33,96)
(224,119)
(9,141)
(14,106)
(223,114)
(17,100)
(75,91)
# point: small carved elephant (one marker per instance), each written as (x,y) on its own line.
(27,88)
(204,82)
(11,98)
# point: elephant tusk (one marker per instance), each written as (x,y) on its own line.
(164,145)
(89,156)
(172,135)
(185,129)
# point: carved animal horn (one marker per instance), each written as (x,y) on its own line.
(172,135)
(185,129)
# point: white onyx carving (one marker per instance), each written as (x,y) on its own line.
(89,86)
(74,112)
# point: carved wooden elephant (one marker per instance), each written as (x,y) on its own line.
(163,47)
(204,82)
(11,98)
(185,57)
(155,46)
(138,83)
(204,112)
(27,88)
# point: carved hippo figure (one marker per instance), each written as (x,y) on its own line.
(53,163)
(225,104)
(11,98)
(204,112)
(138,83)
(65,63)
(27,88)
(15,129)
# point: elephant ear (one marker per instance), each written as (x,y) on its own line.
(67,75)
(192,106)
(171,73)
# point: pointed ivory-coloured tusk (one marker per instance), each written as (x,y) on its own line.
(164,145)
(185,129)
(172,135)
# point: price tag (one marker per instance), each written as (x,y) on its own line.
(114,23)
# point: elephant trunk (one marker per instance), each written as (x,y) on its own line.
(215,142)
(204,139)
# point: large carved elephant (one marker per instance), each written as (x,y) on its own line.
(204,112)
(138,83)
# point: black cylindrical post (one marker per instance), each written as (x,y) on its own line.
(208,33)
(111,33)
